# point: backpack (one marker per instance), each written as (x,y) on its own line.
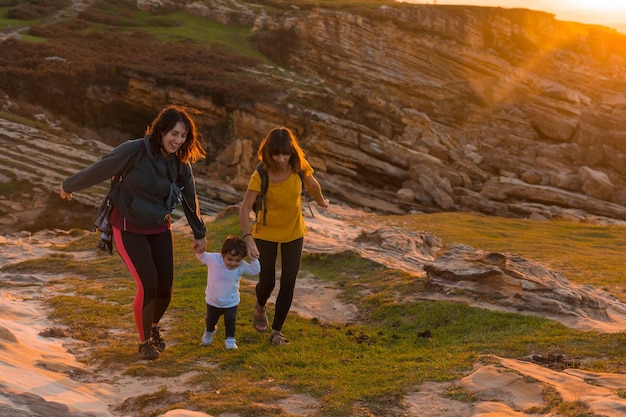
(259,204)
(175,197)
(102,221)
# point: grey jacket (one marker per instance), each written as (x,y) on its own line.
(141,196)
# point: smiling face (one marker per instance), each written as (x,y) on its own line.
(281,160)
(232,261)
(173,139)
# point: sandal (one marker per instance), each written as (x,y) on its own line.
(277,338)
(260,318)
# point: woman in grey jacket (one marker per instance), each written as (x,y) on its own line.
(141,213)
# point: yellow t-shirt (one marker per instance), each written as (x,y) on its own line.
(283,222)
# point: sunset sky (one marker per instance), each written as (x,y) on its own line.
(602,12)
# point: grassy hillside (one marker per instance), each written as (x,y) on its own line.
(64,59)
(368,364)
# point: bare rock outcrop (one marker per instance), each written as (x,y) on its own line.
(510,189)
(460,273)
(440,101)
(520,284)
(596,183)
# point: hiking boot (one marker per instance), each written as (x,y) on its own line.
(230,343)
(147,351)
(157,340)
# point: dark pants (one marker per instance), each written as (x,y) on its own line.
(291,254)
(150,260)
(230,317)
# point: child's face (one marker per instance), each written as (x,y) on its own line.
(232,261)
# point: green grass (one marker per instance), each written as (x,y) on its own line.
(15,118)
(373,362)
(182,26)
(327,4)
(172,28)
(7,24)
(207,32)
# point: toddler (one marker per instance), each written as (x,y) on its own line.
(222,290)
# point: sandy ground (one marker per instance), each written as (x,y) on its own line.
(39,377)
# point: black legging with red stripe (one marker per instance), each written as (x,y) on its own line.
(150,260)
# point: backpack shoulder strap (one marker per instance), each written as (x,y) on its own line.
(180,170)
(305,192)
(265,180)
(133,162)
(261,200)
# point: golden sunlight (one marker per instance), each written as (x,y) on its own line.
(584,11)
(597,5)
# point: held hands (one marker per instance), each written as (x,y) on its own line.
(199,245)
(253,251)
(65,194)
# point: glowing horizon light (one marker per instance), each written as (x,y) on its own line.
(597,5)
(584,11)
(595,11)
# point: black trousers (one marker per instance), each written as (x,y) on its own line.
(291,255)
(230,318)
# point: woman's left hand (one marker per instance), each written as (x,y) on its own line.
(199,245)
(65,194)
(325,203)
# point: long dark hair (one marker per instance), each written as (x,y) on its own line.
(190,151)
(281,140)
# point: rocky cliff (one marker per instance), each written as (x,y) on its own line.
(405,108)
(507,112)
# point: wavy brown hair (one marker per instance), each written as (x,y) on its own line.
(281,140)
(191,150)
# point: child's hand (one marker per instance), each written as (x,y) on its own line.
(199,245)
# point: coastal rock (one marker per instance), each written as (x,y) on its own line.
(437,100)
(520,284)
(596,183)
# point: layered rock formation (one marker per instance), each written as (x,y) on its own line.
(405,108)
(507,112)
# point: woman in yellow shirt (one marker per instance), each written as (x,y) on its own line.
(283,224)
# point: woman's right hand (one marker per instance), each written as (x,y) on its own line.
(325,203)
(65,194)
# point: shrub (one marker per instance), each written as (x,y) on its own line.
(36,9)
